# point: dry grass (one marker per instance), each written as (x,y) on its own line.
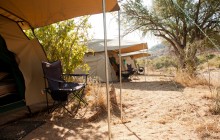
(186,80)
(95,97)
(95,94)
(216,99)
(208,131)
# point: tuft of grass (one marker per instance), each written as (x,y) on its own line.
(208,131)
(96,99)
(95,93)
(216,98)
(186,80)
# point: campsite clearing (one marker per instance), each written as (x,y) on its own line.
(153,109)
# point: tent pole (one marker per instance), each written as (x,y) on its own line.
(119,41)
(145,68)
(106,67)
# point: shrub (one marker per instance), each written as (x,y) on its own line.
(187,80)
(164,62)
(210,60)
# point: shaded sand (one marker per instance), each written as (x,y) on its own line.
(154,108)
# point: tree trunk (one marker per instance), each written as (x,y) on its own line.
(187,61)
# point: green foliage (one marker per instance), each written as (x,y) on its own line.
(201,59)
(205,58)
(65,41)
(182,23)
(163,62)
(210,56)
(210,60)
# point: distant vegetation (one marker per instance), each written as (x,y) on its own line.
(162,62)
(187,25)
(162,59)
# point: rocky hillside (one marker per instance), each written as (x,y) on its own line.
(159,50)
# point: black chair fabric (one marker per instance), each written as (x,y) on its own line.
(57,87)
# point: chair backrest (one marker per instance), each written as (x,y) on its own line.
(52,71)
(129,67)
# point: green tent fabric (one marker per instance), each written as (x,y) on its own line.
(8,64)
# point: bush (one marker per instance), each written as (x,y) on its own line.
(205,57)
(164,62)
(187,80)
(210,60)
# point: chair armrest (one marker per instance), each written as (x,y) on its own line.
(75,74)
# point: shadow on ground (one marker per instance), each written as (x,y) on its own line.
(152,86)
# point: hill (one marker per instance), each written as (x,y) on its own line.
(159,50)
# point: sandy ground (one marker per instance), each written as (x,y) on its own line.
(154,108)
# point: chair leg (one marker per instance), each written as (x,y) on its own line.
(53,107)
(63,104)
(46,92)
(76,95)
(80,96)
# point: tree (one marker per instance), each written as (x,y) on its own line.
(180,22)
(66,41)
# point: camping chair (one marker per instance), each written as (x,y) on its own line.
(60,89)
(129,72)
(130,69)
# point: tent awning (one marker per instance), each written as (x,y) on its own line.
(134,48)
(136,55)
(97,45)
(40,13)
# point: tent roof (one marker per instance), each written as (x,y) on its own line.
(137,54)
(38,13)
(97,45)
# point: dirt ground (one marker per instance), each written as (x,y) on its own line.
(154,108)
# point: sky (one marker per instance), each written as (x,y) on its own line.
(112,29)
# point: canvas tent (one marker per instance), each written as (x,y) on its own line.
(23,14)
(33,14)
(96,61)
(136,55)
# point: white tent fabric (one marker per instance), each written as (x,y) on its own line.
(96,62)
(127,46)
(137,54)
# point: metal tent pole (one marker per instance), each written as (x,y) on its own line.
(106,67)
(145,68)
(120,77)
(144,52)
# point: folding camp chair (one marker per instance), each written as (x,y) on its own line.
(60,89)
(130,69)
(127,74)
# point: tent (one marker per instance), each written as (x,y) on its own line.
(136,55)
(33,14)
(96,60)
(24,14)
(29,54)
